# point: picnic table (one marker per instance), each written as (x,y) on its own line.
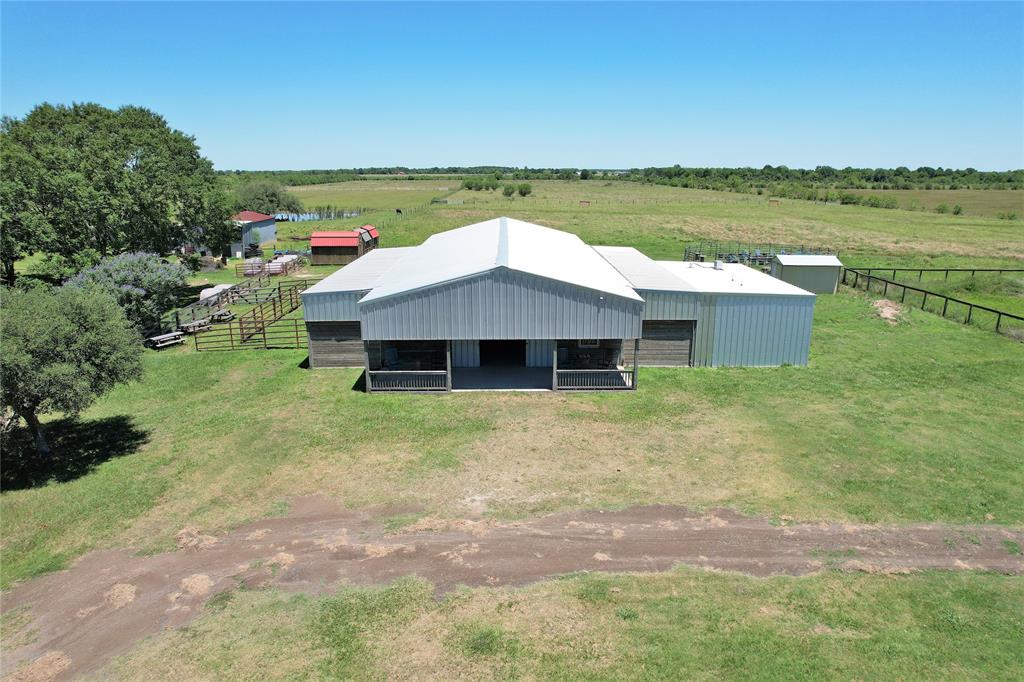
(222,316)
(164,340)
(195,326)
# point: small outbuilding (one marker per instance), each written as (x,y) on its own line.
(818,274)
(254,229)
(342,247)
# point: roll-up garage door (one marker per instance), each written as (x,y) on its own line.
(666,343)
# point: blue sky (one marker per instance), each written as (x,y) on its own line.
(329,85)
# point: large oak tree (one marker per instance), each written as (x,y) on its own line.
(84,176)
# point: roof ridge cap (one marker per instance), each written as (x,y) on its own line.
(501,258)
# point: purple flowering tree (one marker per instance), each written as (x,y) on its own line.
(143,284)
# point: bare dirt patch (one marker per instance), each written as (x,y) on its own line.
(890,311)
(71,611)
(47,667)
(120,595)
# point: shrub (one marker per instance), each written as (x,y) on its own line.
(942,208)
(524,189)
(958,209)
(508,190)
(192,261)
(143,284)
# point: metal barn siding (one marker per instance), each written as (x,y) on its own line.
(817,279)
(761,331)
(465,353)
(266,228)
(540,352)
(502,304)
(331,306)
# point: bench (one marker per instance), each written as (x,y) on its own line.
(164,340)
(222,316)
(195,326)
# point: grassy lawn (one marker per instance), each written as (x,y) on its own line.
(373,194)
(871,431)
(919,421)
(981,202)
(660,220)
(685,624)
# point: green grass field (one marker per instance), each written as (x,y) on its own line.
(918,421)
(978,202)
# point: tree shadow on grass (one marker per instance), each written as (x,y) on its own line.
(78,447)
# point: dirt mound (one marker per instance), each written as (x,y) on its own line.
(890,311)
(109,600)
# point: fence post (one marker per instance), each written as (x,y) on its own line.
(999,319)
(924,299)
(945,303)
(903,297)
(885,289)
(970,312)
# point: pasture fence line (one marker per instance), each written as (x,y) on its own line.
(979,315)
(920,271)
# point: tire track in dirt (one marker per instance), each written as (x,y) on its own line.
(109,600)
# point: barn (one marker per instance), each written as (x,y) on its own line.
(815,273)
(254,229)
(509,304)
(341,248)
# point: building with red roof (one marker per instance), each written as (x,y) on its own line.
(341,248)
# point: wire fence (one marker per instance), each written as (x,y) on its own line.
(949,307)
(748,253)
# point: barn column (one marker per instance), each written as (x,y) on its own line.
(554,367)
(636,360)
(366,364)
(448,363)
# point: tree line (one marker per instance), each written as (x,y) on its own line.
(725,179)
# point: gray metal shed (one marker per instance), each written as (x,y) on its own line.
(816,273)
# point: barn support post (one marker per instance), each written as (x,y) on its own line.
(554,368)
(636,360)
(448,364)
(366,365)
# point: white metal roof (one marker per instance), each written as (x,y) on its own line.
(501,242)
(641,271)
(361,274)
(733,278)
(808,259)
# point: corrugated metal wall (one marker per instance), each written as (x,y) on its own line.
(465,353)
(540,352)
(332,306)
(762,331)
(502,304)
(818,279)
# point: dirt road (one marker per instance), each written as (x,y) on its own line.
(110,600)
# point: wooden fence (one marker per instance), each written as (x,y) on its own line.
(949,307)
